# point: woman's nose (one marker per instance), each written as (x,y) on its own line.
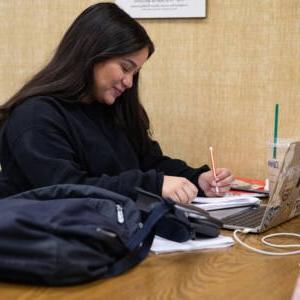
(127,81)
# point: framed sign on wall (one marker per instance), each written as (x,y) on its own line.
(147,9)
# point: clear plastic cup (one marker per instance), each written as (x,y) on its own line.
(276,153)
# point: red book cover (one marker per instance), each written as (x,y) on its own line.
(242,186)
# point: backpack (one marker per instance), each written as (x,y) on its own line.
(69,234)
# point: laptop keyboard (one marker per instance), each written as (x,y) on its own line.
(251,217)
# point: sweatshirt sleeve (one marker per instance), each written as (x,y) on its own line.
(45,157)
(154,159)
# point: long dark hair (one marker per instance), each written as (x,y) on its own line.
(100,32)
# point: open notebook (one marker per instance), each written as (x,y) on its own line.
(216,203)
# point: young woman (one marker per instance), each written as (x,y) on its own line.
(79,120)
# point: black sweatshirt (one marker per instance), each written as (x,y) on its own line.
(46,141)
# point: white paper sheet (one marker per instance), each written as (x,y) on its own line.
(161,245)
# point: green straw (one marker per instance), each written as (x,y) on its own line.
(275,130)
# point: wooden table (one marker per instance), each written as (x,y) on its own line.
(228,273)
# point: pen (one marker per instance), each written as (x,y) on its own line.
(213,166)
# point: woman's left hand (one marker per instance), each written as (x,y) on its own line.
(208,183)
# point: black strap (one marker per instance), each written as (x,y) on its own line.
(141,242)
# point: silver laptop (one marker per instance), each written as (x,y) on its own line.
(283,204)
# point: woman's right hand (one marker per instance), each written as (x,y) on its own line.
(179,189)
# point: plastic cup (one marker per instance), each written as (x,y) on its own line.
(276,153)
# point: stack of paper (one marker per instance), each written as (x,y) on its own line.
(161,245)
(225,202)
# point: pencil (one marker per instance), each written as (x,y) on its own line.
(275,130)
(213,166)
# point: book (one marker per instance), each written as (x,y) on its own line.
(243,186)
(161,245)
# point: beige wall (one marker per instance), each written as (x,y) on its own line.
(212,81)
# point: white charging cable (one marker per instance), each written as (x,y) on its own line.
(263,240)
